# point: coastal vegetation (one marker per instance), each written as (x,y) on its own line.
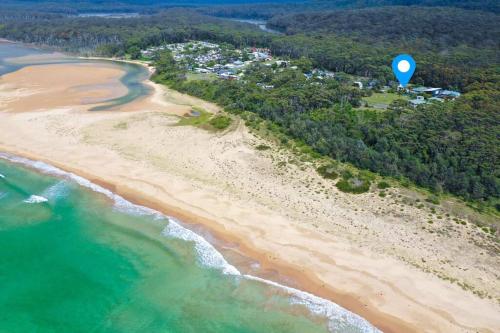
(338,161)
(428,145)
(203,119)
(445,147)
(220,122)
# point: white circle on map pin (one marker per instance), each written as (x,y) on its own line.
(404,66)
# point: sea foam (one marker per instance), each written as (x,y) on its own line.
(36,199)
(340,319)
(207,254)
(56,191)
(2,176)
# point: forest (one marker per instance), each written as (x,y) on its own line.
(443,27)
(275,8)
(451,147)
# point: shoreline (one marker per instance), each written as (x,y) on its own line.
(302,280)
(287,263)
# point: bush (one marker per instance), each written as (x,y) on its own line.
(262,147)
(383,185)
(327,171)
(346,174)
(220,122)
(353,185)
(433,199)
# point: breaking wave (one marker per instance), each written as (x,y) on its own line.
(340,319)
(36,199)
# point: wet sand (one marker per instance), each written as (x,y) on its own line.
(59,85)
(366,253)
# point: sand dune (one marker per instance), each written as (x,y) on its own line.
(375,256)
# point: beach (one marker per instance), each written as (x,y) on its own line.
(375,256)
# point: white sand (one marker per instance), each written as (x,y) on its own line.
(367,253)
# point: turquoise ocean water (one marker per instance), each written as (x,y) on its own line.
(75,257)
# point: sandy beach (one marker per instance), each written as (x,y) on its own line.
(376,256)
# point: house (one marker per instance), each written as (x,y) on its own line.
(238,64)
(282,63)
(201,70)
(428,90)
(372,84)
(265,86)
(418,101)
(227,76)
(450,94)
(261,56)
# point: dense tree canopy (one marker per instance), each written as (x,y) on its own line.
(452,147)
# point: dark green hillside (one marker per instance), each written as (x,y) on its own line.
(448,147)
(437,27)
(451,147)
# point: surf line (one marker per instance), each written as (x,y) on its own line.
(338,317)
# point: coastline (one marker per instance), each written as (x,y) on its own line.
(273,271)
(370,293)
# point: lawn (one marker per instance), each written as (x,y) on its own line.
(201,76)
(382,100)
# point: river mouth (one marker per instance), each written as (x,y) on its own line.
(113,270)
(131,85)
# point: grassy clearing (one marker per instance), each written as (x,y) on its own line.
(199,120)
(382,100)
(201,76)
(206,120)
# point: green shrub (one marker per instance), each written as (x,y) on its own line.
(367,175)
(262,147)
(220,122)
(354,185)
(433,199)
(346,174)
(382,194)
(199,119)
(383,185)
(328,171)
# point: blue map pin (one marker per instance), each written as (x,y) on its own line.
(403,67)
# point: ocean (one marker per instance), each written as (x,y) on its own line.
(76,257)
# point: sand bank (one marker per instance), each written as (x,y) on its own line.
(59,85)
(366,253)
